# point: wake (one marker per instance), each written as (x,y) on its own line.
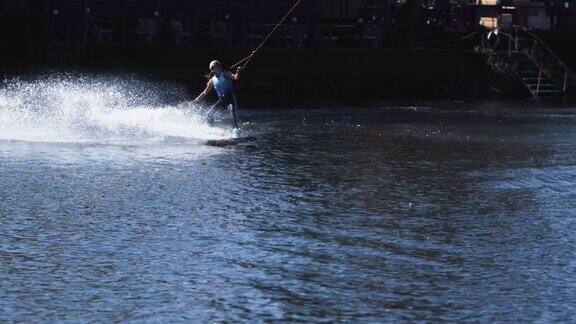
(86,110)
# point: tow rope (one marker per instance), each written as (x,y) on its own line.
(248,58)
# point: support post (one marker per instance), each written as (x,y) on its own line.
(565,80)
(509,46)
(539,80)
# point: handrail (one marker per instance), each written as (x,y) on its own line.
(525,50)
(567,70)
(545,46)
(540,66)
(539,81)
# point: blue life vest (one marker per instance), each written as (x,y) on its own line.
(222,84)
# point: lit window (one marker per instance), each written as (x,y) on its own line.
(489,22)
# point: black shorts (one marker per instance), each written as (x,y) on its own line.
(224,102)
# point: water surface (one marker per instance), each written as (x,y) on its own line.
(446,211)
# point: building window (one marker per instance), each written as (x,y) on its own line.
(489,22)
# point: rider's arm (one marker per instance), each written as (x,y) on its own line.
(206,91)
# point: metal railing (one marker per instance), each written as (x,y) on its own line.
(518,47)
(564,72)
(514,42)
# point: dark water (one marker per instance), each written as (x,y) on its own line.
(384,214)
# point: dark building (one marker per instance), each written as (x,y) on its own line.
(214,22)
(239,10)
(243,10)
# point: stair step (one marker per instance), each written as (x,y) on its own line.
(549,92)
(530,79)
(528,75)
(526,69)
(535,79)
(543,81)
(534,87)
(543,87)
(549,95)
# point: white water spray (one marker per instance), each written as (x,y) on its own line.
(88,110)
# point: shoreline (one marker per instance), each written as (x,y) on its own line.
(311,76)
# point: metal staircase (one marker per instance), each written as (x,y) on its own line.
(536,65)
(534,77)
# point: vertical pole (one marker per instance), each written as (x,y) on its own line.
(539,79)
(509,46)
(565,79)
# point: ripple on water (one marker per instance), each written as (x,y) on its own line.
(311,222)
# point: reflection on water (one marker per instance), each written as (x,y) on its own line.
(398,213)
